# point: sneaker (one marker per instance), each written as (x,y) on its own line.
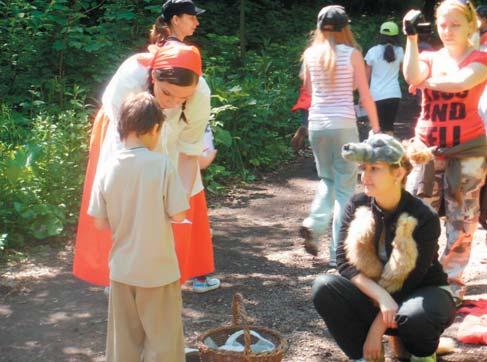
(431,358)
(310,245)
(203,286)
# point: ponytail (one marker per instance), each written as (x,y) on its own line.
(389,54)
(160,32)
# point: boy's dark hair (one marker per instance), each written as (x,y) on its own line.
(139,113)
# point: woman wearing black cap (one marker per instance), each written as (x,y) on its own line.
(333,67)
(177,21)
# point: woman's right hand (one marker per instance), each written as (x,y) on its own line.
(388,307)
(408,18)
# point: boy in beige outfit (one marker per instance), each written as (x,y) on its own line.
(137,195)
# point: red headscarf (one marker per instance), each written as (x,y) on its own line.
(172,55)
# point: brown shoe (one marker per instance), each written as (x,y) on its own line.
(310,245)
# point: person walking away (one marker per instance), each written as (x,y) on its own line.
(383,64)
(333,66)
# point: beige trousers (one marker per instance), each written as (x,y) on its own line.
(145,324)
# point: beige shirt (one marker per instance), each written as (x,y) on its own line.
(137,191)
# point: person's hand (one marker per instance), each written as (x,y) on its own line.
(372,348)
(373,132)
(388,308)
(414,88)
(297,142)
(408,23)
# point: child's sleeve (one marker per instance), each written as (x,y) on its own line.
(175,197)
(208,140)
(97,207)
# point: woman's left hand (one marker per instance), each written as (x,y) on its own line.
(372,349)
(413,88)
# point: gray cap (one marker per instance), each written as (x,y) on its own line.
(378,147)
(333,16)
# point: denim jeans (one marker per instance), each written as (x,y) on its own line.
(337,182)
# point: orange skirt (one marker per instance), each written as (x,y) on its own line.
(194,247)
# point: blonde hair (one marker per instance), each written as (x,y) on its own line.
(330,40)
(406,164)
(467,9)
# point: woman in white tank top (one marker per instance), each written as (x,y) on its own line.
(334,66)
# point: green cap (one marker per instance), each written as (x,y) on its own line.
(389,28)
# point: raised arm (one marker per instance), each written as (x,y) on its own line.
(467,78)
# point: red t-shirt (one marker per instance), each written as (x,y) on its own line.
(449,119)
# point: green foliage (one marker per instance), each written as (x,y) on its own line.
(40,180)
(251,108)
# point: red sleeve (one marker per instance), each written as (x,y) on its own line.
(483,39)
(476,57)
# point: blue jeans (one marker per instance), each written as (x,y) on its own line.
(337,181)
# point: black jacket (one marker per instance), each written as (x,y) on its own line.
(411,234)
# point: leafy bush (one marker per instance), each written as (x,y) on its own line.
(252,120)
(40,179)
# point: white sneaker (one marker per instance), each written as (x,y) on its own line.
(206,285)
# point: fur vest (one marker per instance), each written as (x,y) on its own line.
(362,252)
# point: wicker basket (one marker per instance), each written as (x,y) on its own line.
(241,322)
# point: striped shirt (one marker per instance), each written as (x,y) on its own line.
(332,101)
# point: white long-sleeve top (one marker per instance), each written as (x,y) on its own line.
(177,136)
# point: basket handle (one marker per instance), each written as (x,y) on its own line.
(241,318)
(239,314)
(247,342)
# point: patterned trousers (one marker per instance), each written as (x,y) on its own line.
(461,210)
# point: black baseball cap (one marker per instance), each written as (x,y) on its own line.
(482,11)
(334,16)
(178,7)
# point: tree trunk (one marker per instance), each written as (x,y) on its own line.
(243,39)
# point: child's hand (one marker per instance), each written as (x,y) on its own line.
(101,223)
(205,161)
(178,218)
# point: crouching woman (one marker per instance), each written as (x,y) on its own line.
(390,279)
